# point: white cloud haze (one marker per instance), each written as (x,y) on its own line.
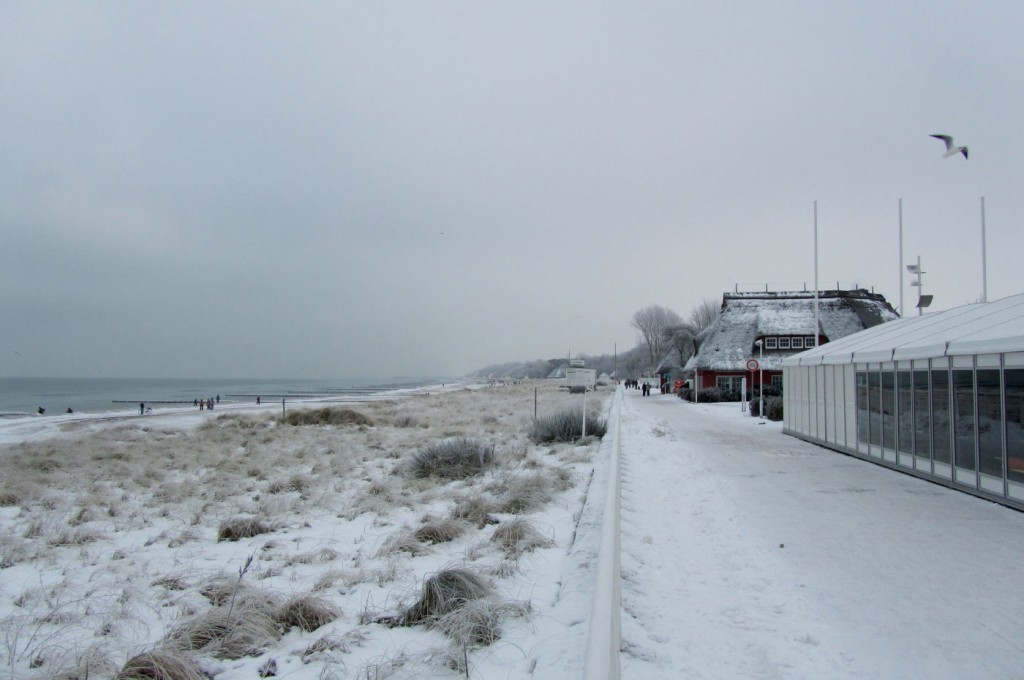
(350,189)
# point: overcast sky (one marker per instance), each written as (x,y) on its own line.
(375,189)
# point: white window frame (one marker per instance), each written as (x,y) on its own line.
(797,342)
(732,382)
(809,341)
(784,342)
(771,343)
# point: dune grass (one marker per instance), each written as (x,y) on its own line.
(136,530)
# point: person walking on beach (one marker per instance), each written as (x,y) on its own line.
(142,408)
(202,404)
(257,401)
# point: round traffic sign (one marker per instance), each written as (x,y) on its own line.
(752,364)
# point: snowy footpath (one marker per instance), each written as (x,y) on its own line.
(747,553)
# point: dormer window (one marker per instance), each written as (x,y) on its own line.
(771,343)
(798,343)
(784,343)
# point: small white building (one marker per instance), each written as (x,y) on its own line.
(939,396)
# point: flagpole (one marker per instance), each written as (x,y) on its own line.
(817,323)
(903,311)
(984,266)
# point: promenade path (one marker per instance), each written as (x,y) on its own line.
(748,553)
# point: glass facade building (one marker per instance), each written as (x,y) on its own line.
(938,396)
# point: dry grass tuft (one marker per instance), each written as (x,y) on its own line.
(228,632)
(237,528)
(478,622)
(456,458)
(328,416)
(475,509)
(401,542)
(522,493)
(321,556)
(517,537)
(567,426)
(299,483)
(307,612)
(334,643)
(443,593)
(161,664)
(439,530)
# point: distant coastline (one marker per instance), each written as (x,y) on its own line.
(25,396)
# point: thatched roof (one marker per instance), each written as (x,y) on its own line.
(726,344)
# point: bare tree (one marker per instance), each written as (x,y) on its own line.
(681,339)
(705,313)
(651,323)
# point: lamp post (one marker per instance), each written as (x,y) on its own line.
(760,377)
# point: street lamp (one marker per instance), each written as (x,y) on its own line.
(760,377)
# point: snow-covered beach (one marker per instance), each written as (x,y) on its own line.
(745,552)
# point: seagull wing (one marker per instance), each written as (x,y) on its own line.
(963,150)
(947,139)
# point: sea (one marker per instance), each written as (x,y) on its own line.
(24,396)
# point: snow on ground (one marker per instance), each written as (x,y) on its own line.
(746,553)
(751,554)
(109,538)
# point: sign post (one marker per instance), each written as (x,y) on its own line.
(752,366)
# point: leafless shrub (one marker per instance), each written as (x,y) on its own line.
(307,612)
(439,530)
(161,664)
(455,458)
(328,416)
(518,536)
(405,418)
(238,528)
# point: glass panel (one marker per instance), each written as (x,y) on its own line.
(798,343)
(1014,406)
(940,416)
(990,435)
(783,343)
(770,343)
(922,415)
(889,409)
(862,407)
(874,408)
(963,403)
(809,341)
(905,412)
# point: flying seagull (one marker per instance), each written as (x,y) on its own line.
(950,149)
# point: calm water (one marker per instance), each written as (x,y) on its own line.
(57,395)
